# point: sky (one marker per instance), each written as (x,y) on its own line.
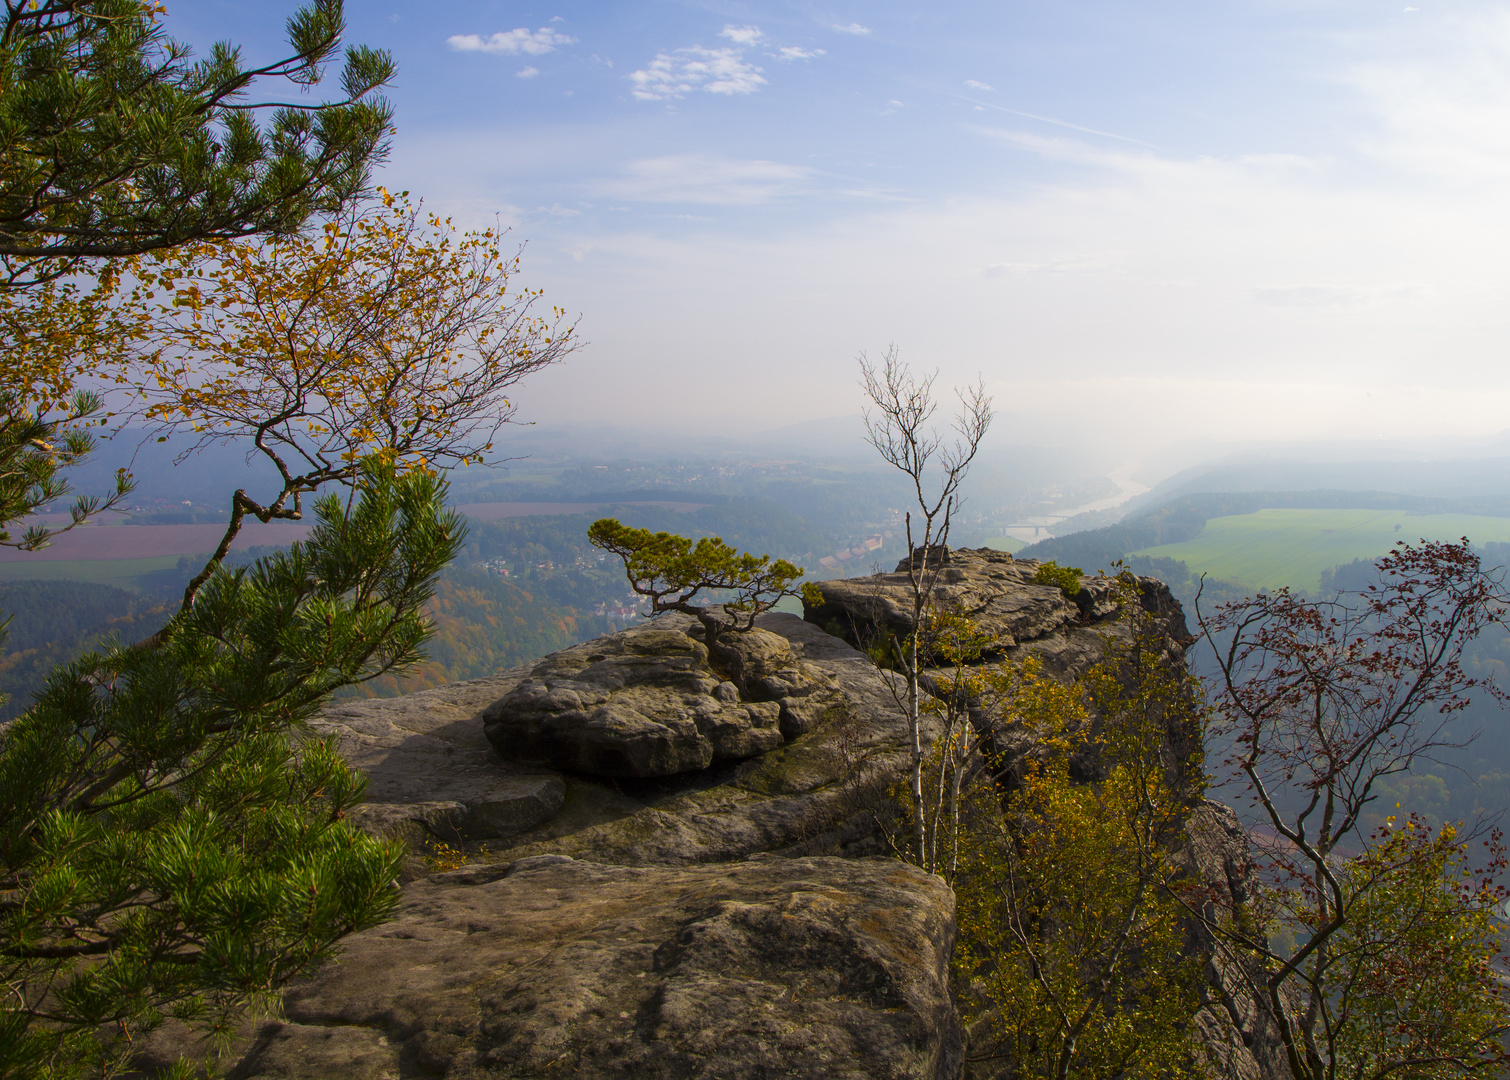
(1141,222)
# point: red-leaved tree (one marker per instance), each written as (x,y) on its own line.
(1375,951)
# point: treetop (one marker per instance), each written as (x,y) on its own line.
(113,141)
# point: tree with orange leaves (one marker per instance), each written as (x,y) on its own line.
(389,331)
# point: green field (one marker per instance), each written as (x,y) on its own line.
(1272,548)
(122,573)
(1005,543)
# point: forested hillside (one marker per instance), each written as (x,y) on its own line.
(523,587)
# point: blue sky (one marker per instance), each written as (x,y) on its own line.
(1224,221)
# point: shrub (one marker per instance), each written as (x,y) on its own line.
(1066,577)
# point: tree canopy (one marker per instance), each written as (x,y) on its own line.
(388,332)
(1071,937)
(1376,951)
(672,571)
(171,841)
(114,141)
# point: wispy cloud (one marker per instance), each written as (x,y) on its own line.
(849,28)
(1065,265)
(703,178)
(794,52)
(976,84)
(1064,124)
(741,35)
(512,42)
(674,75)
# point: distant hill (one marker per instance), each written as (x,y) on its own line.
(1182,518)
(1452,479)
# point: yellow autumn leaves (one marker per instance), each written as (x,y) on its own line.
(1072,953)
(387,330)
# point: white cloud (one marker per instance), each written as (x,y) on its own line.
(674,75)
(851,28)
(527,73)
(741,35)
(512,42)
(976,84)
(704,179)
(677,73)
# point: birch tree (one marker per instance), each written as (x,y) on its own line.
(899,424)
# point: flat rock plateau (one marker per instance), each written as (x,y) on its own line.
(672,872)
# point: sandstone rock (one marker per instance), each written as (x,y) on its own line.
(429,769)
(989,586)
(770,967)
(824,792)
(648,702)
(635,920)
(1236,1029)
(998,592)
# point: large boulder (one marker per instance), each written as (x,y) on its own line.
(826,791)
(435,776)
(770,967)
(649,702)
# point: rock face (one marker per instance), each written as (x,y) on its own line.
(999,594)
(648,702)
(652,887)
(1240,1037)
(824,792)
(552,967)
(430,772)
(645,926)
(994,589)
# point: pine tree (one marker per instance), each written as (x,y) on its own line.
(172,842)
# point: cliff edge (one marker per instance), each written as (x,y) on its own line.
(672,872)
